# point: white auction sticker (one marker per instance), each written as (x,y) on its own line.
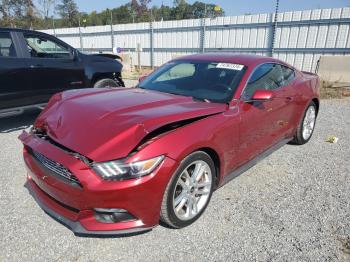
(230,66)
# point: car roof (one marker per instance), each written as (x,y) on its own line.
(20,30)
(227,57)
(8,29)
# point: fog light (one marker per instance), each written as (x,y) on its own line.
(112,215)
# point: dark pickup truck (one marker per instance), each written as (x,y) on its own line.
(35,65)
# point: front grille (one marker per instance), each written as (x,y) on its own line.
(55,167)
(42,135)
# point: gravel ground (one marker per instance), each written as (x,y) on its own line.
(292,206)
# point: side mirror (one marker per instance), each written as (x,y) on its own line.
(142,78)
(262,95)
(74,54)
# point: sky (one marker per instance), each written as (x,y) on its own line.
(231,7)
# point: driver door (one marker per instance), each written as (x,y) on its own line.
(52,65)
(263,123)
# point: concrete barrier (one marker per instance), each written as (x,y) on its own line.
(335,69)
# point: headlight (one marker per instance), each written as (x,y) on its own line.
(119,170)
(29,129)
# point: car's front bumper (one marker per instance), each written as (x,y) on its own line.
(74,206)
(75,226)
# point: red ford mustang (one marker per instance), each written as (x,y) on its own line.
(115,161)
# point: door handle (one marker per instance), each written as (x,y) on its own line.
(36,66)
(289,98)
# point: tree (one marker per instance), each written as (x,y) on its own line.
(68,11)
(182,10)
(124,14)
(163,13)
(144,3)
(179,2)
(30,16)
(46,7)
(201,10)
(5,12)
(23,13)
(17,13)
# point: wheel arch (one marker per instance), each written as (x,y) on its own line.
(216,159)
(317,103)
(99,76)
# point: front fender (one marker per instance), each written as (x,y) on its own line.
(218,133)
(100,67)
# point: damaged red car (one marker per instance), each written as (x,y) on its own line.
(116,161)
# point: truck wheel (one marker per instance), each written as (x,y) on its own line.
(107,82)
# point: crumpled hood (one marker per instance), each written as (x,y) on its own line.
(107,124)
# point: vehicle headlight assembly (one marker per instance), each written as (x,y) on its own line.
(119,170)
(29,129)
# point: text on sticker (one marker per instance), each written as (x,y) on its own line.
(230,66)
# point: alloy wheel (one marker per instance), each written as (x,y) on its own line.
(309,122)
(192,190)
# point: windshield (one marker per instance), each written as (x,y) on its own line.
(206,81)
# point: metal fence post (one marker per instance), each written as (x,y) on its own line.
(112,32)
(270,36)
(273,29)
(151,44)
(81,37)
(81,40)
(53,25)
(202,36)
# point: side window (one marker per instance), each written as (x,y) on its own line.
(7,48)
(179,71)
(267,77)
(288,75)
(42,47)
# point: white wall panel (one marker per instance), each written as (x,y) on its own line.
(231,33)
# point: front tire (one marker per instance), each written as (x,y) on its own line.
(106,82)
(189,191)
(306,127)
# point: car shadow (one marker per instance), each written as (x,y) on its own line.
(18,122)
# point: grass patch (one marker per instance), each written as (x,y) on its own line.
(333,90)
(345,245)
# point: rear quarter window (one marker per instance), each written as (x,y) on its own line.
(288,75)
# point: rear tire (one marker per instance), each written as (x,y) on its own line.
(189,190)
(306,126)
(106,82)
